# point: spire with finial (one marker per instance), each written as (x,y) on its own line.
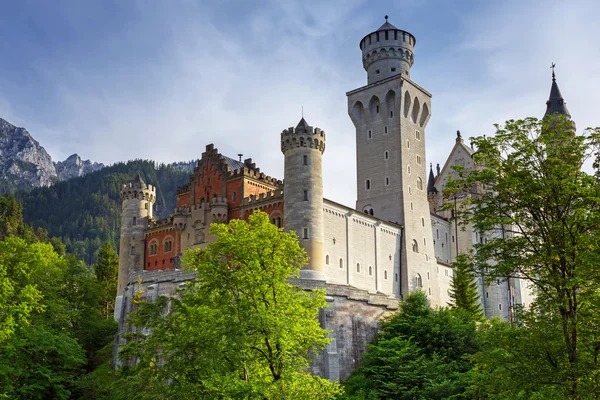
(556,103)
(431,181)
(437,168)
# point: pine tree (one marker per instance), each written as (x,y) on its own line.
(106,273)
(463,288)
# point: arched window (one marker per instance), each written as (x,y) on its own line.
(419,183)
(418,281)
(341,263)
(370,270)
(385,275)
(371,211)
(327,259)
(415,246)
(357,267)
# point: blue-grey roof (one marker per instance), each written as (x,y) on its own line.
(556,103)
(234,164)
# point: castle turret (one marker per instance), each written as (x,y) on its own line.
(386,52)
(137,199)
(303,148)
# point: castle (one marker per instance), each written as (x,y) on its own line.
(394,242)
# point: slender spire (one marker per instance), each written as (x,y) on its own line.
(431,182)
(556,103)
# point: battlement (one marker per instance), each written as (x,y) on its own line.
(218,201)
(183,189)
(161,223)
(303,135)
(132,190)
(252,200)
(255,174)
(386,52)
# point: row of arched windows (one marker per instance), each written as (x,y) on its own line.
(358,267)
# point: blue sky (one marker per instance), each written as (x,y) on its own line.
(118,80)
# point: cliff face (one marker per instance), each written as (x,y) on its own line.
(74,167)
(25,164)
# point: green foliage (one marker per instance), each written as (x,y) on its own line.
(463,287)
(240,330)
(544,212)
(106,271)
(19,296)
(11,220)
(85,212)
(420,353)
(45,350)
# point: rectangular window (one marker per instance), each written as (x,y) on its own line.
(419,160)
(132,252)
(305,160)
(418,135)
(385,129)
(306,195)
(134,221)
(233,196)
(305,233)
(370,134)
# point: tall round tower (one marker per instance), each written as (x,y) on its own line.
(137,201)
(386,52)
(303,148)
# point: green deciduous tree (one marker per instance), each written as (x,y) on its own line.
(19,296)
(543,214)
(420,353)
(240,330)
(463,287)
(106,271)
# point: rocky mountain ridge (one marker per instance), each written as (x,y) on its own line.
(25,164)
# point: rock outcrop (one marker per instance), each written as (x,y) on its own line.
(25,164)
(74,167)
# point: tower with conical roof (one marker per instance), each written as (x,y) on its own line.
(390,115)
(556,104)
(137,199)
(303,147)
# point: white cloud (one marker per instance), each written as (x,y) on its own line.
(193,76)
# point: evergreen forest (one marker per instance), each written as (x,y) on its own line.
(85,212)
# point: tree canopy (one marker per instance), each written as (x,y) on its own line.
(542,210)
(239,330)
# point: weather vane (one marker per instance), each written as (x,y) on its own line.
(552,68)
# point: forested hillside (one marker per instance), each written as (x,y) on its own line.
(85,212)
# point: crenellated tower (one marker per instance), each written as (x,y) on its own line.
(303,148)
(390,114)
(137,199)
